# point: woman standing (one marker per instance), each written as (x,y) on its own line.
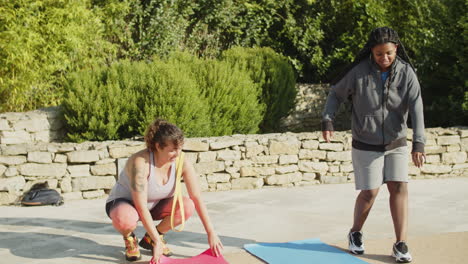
(145,190)
(383,88)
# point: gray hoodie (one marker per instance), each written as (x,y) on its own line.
(380,111)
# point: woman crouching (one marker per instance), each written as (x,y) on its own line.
(145,192)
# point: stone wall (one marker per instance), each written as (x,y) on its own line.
(46,125)
(307,113)
(43,125)
(88,170)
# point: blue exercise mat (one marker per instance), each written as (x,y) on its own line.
(301,252)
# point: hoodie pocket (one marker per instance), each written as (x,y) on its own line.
(369,125)
(394,125)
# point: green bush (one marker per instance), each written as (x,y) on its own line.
(121,100)
(274,76)
(229,93)
(93,105)
(167,90)
(203,97)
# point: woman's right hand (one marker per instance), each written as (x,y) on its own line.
(327,135)
(157,251)
(418,158)
(215,244)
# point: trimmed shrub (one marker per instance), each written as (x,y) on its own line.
(94,105)
(121,100)
(167,90)
(229,93)
(274,76)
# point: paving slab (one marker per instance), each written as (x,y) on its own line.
(80,232)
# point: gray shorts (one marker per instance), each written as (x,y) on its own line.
(372,168)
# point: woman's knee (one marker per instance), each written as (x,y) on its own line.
(369,195)
(189,208)
(397,188)
(124,217)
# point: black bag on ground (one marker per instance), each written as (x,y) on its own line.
(40,194)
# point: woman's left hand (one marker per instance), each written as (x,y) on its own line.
(215,244)
(418,158)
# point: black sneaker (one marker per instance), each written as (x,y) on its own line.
(401,253)
(355,243)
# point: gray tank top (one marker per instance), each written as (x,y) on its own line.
(156,192)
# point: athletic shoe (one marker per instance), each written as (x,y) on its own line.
(400,252)
(147,243)
(132,253)
(355,243)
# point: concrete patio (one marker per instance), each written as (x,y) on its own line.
(80,232)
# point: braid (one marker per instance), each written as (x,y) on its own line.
(401,52)
(377,36)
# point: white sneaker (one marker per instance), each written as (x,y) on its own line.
(355,243)
(401,253)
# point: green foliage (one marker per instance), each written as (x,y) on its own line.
(433,32)
(40,42)
(320,37)
(203,97)
(114,15)
(346,25)
(229,93)
(465,102)
(166,90)
(121,100)
(274,76)
(217,25)
(288,27)
(93,105)
(439,47)
(157,26)
(147,28)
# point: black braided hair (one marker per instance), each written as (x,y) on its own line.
(377,36)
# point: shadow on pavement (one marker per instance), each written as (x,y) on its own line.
(64,224)
(37,244)
(184,238)
(382,258)
(188,238)
(51,246)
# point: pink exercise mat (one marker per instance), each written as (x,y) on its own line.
(204,258)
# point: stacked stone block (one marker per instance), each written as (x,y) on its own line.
(43,125)
(75,170)
(307,112)
(89,169)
